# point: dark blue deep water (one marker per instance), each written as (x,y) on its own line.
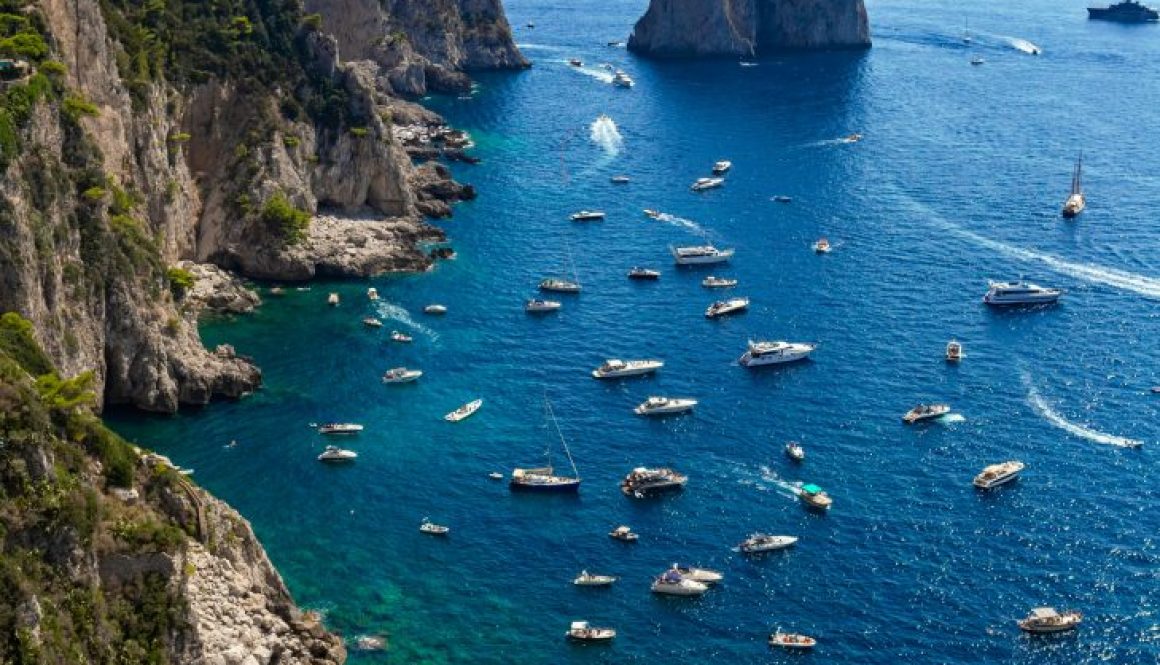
(958,180)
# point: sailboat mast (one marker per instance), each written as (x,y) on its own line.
(560,434)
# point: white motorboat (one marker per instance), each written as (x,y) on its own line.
(372,322)
(463,412)
(582,632)
(652,214)
(644,274)
(576,62)
(775,353)
(702,575)
(495,475)
(815,497)
(672,583)
(339,428)
(401,375)
(586,578)
(954,351)
(791,640)
(760,542)
(643,482)
(998,474)
(659,406)
(435,309)
(1048,620)
(402,338)
(615,369)
(977,60)
(726,307)
(624,534)
(372,293)
(539,306)
(823,246)
(702,184)
(336,454)
(430,527)
(332,300)
(700,255)
(1002,294)
(795,451)
(712,282)
(924,412)
(587,216)
(722,167)
(782,198)
(621,179)
(622,80)
(559,285)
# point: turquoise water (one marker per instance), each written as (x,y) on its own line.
(958,180)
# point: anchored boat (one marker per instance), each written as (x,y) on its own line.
(544,479)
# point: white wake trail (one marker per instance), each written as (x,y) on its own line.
(598,73)
(393,312)
(604,133)
(680,222)
(1055,418)
(1023,45)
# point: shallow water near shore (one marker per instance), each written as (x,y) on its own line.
(958,179)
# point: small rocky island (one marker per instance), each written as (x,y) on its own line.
(747,28)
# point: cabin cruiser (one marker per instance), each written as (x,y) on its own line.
(615,369)
(538,306)
(401,375)
(336,454)
(822,246)
(464,412)
(372,293)
(642,482)
(588,579)
(673,583)
(339,428)
(760,542)
(624,534)
(1020,293)
(954,351)
(775,353)
(726,307)
(435,309)
(712,282)
(575,62)
(332,300)
(816,497)
(622,80)
(372,322)
(587,216)
(559,285)
(700,254)
(998,474)
(621,179)
(702,575)
(795,451)
(791,640)
(721,167)
(434,529)
(1048,620)
(644,274)
(658,406)
(400,337)
(925,412)
(581,631)
(701,184)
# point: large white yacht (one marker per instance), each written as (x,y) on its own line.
(702,184)
(726,307)
(998,474)
(1020,293)
(614,369)
(700,254)
(773,353)
(659,406)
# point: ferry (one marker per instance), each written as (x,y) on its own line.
(722,167)
(1044,620)
(702,184)
(582,632)
(700,255)
(644,274)
(726,307)
(587,216)
(924,412)
(336,454)
(615,369)
(642,482)
(760,542)
(339,428)
(1006,294)
(1075,201)
(660,406)
(998,474)
(775,353)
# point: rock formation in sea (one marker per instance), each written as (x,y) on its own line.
(746,28)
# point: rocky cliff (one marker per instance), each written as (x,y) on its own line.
(747,28)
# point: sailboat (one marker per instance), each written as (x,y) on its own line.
(1075,202)
(966,31)
(544,479)
(562,285)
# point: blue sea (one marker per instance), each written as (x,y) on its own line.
(959,179)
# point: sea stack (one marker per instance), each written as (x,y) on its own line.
(747,28)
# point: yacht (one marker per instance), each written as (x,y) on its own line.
(760,542)
(816,497)
(372,293)
(924,412)
(1020,293)
(624,534)
(464,412)
(722,167)
(339,428)
(622,80)
(372,322)
(560,285)
(332,300)
(644,274)
(775,353)
(621,179)
(588,579)
(587,216)
(726,307)
(712,282)
(642,482)
(538,306)
(1126,11)
(701,254)
(401,375)
(336,454)
(702,184)
(402,338)
(1075,202)
(544,479)
(823,246)
(998,474)
(1049,620)
(427,526)
(435,309)
(791,640)
(615,369)
(795,451)
(954,351)
(702,575)
(659,406)
(673,583)
(582,632)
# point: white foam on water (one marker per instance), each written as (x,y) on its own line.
(1052,416)
(953,418)
(599,73)
(604,133)
(539,47)
(1023,45)
(680,222)
(786,488)
(393,312)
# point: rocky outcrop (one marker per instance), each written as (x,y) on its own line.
(217,290)
(692,28)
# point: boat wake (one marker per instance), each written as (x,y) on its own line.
(784,487)
(1055,418)
(953,418)
(392,312)
(599,73)
(680,222)
(604,133)
(539,47)
(1023,45)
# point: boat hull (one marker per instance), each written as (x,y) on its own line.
(749,360)
(569,487)
(1108,14)
(720,257)
(1021,301)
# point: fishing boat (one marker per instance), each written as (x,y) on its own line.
(401,375)
(1044,620)
(644,274)
(544,479)
(702,184)
(822,246)
(1075,202)
(372,322)
(1008,294)
(779,352)
(702,575)
(924,412)
(672,583)
(402,338)
(712,282)
(660,406)
(791,640)
(336,454)
(954,351)
(995,475)
(722,167)
(642,482)
(615,369)
(339,428)
(761,542)
(700,255)
(795,451)
(586,578)
(587,216)
(582,632)
(332,300)
(726,307)
(372,293)
(816,497)
(622,80)
(539,306)
(624,534)
(464,412)
(429,527)
(621,180)
(435,309)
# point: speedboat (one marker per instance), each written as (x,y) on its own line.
(702,575)
(339,428)
(622,80)
(332,300)
(721,167)
(795,451)
(434,529)
(586,578)
(1020,293)
(624,534)
(726,307)
(954,351)
(791,640)
(760,542)
(559,285)
(822,246)
(587,216)
(615,369)
(495,475)
(644,274)
(537,306)
(701,184)
(1047,620)
(401,375)
(336,454)
(673,583)
(700,254)
(372,322)
(781,198)
(402,338)
(372,293)
(581,631)
(747,63)
(575,62)
(816,497)
(925,412)
(652,214)
(712,282)
(659,406)
(463,412)
(775,353)
(435,309)
(642,482)
(998,474)
(852,138)
(621,179)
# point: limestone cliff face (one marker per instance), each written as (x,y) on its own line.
(693,28)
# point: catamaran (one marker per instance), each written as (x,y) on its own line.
(1075,202)
(544,479)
